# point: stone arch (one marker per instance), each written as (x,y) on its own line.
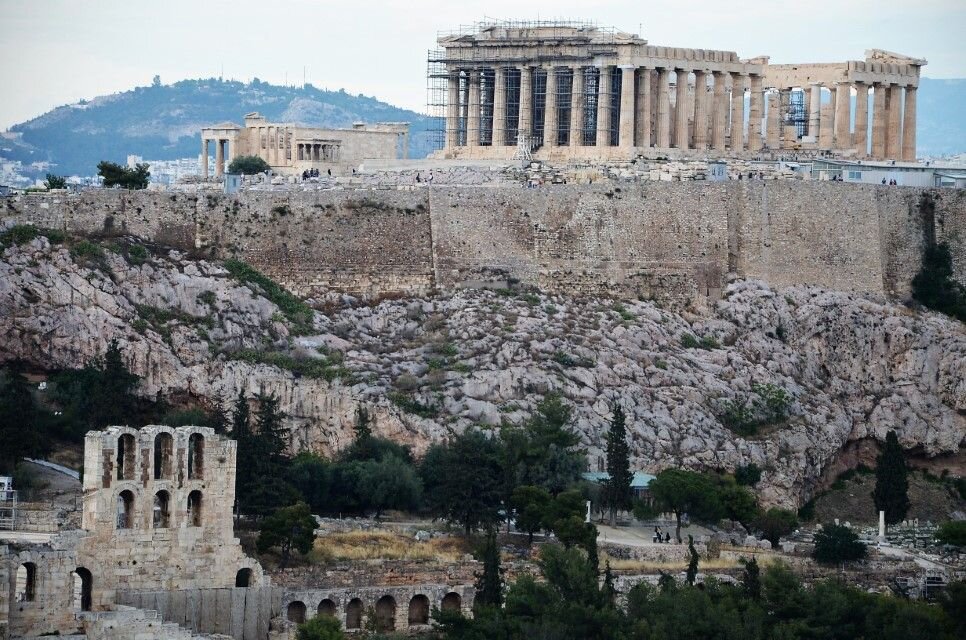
(243,578)
(296,611)
(125,509)
(452,601)
(194,508)
(353,614)
(326,608)
(196,456)
(26,582)
(386,613)
(161,513)
(126,450)
(419,610)
(163,456)
(82,584)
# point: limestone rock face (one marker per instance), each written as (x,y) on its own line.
(852,368)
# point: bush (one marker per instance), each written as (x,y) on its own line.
(89,254)
(748,475)
(248,165)
(952,532)
(20,234)
(316,368)
(837,543)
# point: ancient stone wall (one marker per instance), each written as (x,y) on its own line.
(673,242)
(243,614)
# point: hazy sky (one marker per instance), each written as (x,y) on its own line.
(54,52)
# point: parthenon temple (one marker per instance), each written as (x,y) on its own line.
(563,90)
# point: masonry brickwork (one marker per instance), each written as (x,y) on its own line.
(674,242)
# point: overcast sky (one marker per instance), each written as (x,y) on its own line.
(55,52)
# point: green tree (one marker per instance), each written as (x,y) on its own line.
(776,523)
(311,476)
(489,582)
(935,287)
(530,506)
(23,425)
(692,572)
(389,483)
(835,544)
(55,182)
(952,532)
(321,627)
(248,165)
(751,579)
(617,488)
(463,480)
(680,491)
(891,493)
(737,503)
(115,175)
(288,528)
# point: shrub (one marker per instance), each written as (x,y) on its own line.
(299,314)
(688,341)
(89,254)
(748,475)
(316,368)
(952,532)
(55,182)
(410,404)
(248,165)
(206,297)
(23,233)
(837,543)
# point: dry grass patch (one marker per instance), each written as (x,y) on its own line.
(385,545)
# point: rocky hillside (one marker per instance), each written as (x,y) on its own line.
(800,372)
(163,122)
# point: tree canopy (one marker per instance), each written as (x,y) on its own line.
(116,175)
(248,165)
(289,528)
(680,491)
(837,543)
(891,493)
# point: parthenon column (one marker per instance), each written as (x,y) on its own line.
(499,107)
(604,90)
(843,100)
(577,108)
(625,136)
(860,140)
(473,109)
(525,126)
(681,110)
(663,137)
(909,125)
(550,109)
(453,110)
(754,115)
(737,112)
(700,110)
(204,158)
(814,110)
(643,111)
(219,158)
(719,106)
(879,92)
(772,120)
(894,130)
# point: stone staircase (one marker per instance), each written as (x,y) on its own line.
(130,623)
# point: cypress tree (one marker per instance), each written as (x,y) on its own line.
(891,493)
(489,584)
(692,562)
(617,490)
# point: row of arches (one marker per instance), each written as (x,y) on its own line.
(384,610)
(81,586)
(163,456)
(160,512)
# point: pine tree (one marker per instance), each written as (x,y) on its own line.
(751,581)
(891,493)
(692,573)
(617,490)
(270,433)
(489,584)
(610,592)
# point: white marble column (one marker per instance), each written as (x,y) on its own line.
(754,115)
(909,126)
(499,107)
(626,129)
(814,110)
(473,110)
(604,90)
(700,110)
(643,109)
(550,114)
(525,121)
(719,110)
(219,158)
(453,109)
(879,92)
(737,112)
(577,108)
(861,137)
(663,139)
(894,130)
(843,100)
(681,110)
(204,158)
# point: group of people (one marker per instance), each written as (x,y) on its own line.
(891,182)
(661,536)
(314,173)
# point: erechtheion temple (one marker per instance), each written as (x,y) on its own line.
(290,148)
(564,91)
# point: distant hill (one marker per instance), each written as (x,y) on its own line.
(162,122)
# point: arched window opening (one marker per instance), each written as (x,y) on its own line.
(81,585)
(296,611)
(326,608)
(419,610)
(125,457)
(194,509)
(385,614)
(163,456)
(243,578)
(452,601)
(162,510)
(196,456)
(353,614)
(125,510)
(26,582)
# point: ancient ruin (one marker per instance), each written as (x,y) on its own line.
(291,149)
(561,91)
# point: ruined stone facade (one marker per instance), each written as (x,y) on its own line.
(291,149)
(671,241)
(565,91)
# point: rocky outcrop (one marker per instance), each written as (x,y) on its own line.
(851,368)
